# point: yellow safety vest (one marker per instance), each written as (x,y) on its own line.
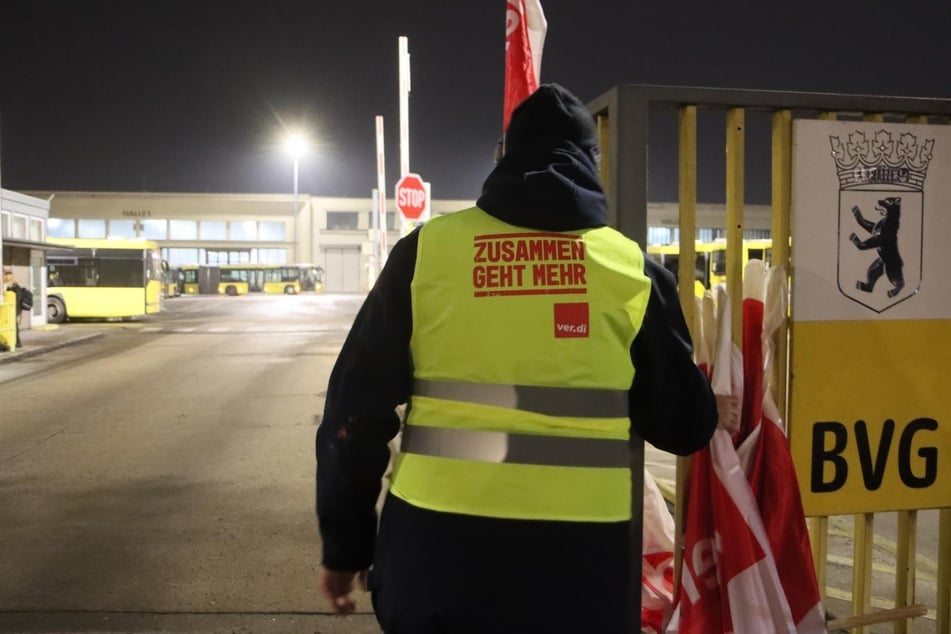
(521,355)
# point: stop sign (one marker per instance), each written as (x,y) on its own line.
(412,197)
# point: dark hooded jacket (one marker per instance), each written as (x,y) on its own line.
(546,180)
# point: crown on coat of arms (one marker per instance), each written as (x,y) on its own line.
(879,159)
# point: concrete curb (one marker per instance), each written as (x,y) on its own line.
(36,350)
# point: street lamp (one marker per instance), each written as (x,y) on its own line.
(296,146)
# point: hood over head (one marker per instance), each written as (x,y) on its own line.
(548,176)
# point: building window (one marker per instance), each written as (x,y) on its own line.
(224,256)
(19,227)
(60,228)
(661,235)
(122,228)
(153,229)
(181,257)
(390,221)
(272,232)
(182,230)
(343,220)
(5,222)
(244,230)
(92,228)
(272,256)
(212,230)
(36,229)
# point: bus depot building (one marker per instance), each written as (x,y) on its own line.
(23,223)
(337,234)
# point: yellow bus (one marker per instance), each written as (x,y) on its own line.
(171,285)
(188,279)
(280,278)
(258,278)
(311,278)
(103,279)
(240,279)
(228,279)
(710,263)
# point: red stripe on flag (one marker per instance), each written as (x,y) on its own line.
(520,79)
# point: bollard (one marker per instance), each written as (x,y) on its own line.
(8,320)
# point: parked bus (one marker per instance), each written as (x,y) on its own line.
(103,279)
(311,278)
(710,263)
(171,285)
(240,279)
(188,279)
(280,278)
(227,279)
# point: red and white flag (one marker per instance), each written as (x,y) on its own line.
(525,28)
(747,563)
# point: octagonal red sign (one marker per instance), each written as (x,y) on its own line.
(412,199)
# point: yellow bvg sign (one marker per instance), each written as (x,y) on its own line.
(870,406)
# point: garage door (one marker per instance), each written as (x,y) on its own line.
(342,274)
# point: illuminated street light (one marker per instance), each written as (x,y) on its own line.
(296,146)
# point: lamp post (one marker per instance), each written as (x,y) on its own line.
(296,146)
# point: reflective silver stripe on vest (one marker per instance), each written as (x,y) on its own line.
(497,446)
(552,401)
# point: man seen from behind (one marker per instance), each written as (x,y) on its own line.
(531,344)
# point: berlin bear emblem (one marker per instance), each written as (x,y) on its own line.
(884,171)
(884,238)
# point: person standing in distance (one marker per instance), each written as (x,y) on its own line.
(10,283)
(530,342)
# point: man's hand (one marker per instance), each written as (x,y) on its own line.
(337,588)
(728,411)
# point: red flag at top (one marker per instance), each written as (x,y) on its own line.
(525,28)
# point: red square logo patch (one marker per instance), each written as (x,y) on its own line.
(571,320)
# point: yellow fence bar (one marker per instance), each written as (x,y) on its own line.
(906,540)
(687,196)
(819,526)
(819,540)
(735,146)
(905,564)
(877,617)
(781,186)
(781,205)
(687,218)
(864,534)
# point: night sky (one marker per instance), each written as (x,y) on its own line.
(170,96)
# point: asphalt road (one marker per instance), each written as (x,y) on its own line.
(160,478)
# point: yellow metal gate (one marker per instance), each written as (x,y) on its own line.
(626,116)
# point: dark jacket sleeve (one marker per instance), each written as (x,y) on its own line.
(372,376)
(672,405)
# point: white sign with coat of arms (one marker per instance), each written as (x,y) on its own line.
(870,223)
(869,406)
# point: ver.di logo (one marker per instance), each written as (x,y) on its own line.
(881,216)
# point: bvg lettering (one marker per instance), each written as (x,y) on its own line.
(918,474)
